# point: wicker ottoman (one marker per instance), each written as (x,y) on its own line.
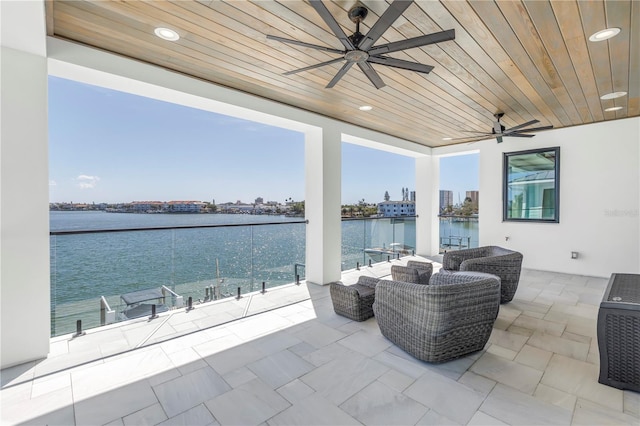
(354,301)
(619,333)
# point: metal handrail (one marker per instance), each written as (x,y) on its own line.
(348,219)
(166,228)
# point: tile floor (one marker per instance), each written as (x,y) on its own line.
(302,364)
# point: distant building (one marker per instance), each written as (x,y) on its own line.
(396,208)
(413,196)
(259,200)
(185,206)
(147,206)
(446,199)
(474,195)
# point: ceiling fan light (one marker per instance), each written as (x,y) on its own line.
(615,108)
(613,95)
(365,108)
(166,34)
(605,34)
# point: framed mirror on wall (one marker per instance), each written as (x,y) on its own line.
(531,185)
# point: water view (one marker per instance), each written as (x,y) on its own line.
(197,262)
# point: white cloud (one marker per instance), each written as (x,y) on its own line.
(87,182)
(52,183)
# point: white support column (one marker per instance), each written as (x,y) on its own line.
(24,189)
(323,180)
(427,199)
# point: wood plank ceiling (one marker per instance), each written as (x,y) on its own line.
(530,59)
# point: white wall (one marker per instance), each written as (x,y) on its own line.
(24,185)
(599,200)
(24,206)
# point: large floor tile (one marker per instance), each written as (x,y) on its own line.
(555,397)
(151,415)
(591,413)
(410,367)
(114,404)
(482,419)
(507,372)
(541,325)
(17,404)
(280,368)
(581,378)
(187,391)
(295,391)
(119,371)
(632,403)
(313,410)
(507,340)
(319,335)
(377,404)
(516,408)
(534,357)
(435,391)
(365,343)
(433,418)
(340,379)
(250,404)
(197,416)
(559,345)
(233,358)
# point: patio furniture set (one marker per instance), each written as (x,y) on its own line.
(436,317)
(441,317)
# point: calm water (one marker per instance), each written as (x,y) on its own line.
(85,267)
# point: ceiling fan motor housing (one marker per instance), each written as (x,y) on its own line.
(358,13)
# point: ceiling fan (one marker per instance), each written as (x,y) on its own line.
(499,131)
(359,48)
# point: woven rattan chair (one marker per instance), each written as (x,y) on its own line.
(449,318)
(415,272)
(354,301)
(499,261)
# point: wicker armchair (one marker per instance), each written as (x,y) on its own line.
(354,301)
(490,259)
(415,272)
(449,318)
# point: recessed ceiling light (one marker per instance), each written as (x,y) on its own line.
(604,34)
(446,139)
(613,95)
(365,108)
(618,108)
(166,34)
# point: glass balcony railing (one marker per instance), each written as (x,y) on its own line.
(458,232)
(372,240)
(105,276)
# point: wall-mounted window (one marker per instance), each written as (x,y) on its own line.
(531,191)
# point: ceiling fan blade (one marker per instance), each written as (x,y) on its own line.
(373,76)
(518,135)
(332,23)
(414,42)
(302,43)
(389,16)
(333,61)
(520,126)
(535,129)
(399,63)
(477,133)
(472,138)
(339,75)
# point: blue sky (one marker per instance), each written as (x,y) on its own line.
(109,146)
